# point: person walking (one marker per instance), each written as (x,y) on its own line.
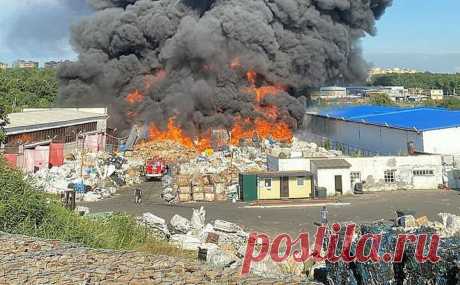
(138,196)
(323,215)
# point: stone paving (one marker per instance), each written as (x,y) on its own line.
(27,260)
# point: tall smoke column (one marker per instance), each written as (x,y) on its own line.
(188,59)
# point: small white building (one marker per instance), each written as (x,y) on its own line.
(435,94)
(332,174)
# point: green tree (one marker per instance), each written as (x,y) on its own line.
(380,99)
(21,88)
(450,83)
(3,122)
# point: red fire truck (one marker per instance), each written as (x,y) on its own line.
(155,168)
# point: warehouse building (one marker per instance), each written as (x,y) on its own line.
(276,185)
(388,130)
(34,137)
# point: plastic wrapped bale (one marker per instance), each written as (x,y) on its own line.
(225,226)
(198,218)
(409,271)
(364,273)
(186,242)
(180,224)
(440,273)
(156,224)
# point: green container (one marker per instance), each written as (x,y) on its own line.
(248,187)
(322,192)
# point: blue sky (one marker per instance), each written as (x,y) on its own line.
(420,34)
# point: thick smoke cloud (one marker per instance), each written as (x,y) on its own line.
(42,26)
(128,44)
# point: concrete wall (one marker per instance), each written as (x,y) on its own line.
(372,171)
(265,193)
(300,192)
(444,141)
(382,140)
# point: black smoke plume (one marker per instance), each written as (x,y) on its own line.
(189,57)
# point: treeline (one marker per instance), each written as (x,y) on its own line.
(450,83)
(22,88)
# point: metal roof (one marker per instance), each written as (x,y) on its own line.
(272,174)
(331,163)
(417,119)
(48,118)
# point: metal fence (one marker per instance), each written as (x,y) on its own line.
(346,149)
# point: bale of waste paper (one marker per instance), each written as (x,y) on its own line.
(180,224)
(186,242)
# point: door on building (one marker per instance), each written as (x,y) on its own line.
(338,184)
(284,190)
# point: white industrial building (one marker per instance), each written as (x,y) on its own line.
(379,173)
(387,130)
(333,92)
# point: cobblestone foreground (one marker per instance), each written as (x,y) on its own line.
(26,260)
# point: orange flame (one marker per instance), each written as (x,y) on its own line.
(174,133)
(268,126)
(260,128)
(135,97)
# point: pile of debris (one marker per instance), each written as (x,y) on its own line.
(93,176)
(300,148)
(409,271)
(213,175)
(170,151)
(221,244)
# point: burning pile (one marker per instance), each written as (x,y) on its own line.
(186,67)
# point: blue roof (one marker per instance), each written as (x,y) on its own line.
(421,119)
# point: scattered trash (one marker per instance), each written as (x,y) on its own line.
(82,210)
(93,176)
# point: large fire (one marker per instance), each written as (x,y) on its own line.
(267,126)
(174,133)
(135,97)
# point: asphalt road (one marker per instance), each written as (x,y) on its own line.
(363,208)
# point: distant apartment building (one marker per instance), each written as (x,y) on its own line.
(25,64)
(3,66)
(333,92)
(52,64)
(396,70)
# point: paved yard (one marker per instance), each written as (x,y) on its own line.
(362,208)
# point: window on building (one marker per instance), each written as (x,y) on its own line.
(390,176)
(268,182)
(355,177)
(300,181)
(423,172)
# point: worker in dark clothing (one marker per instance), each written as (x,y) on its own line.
(138,196)
(323,215)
